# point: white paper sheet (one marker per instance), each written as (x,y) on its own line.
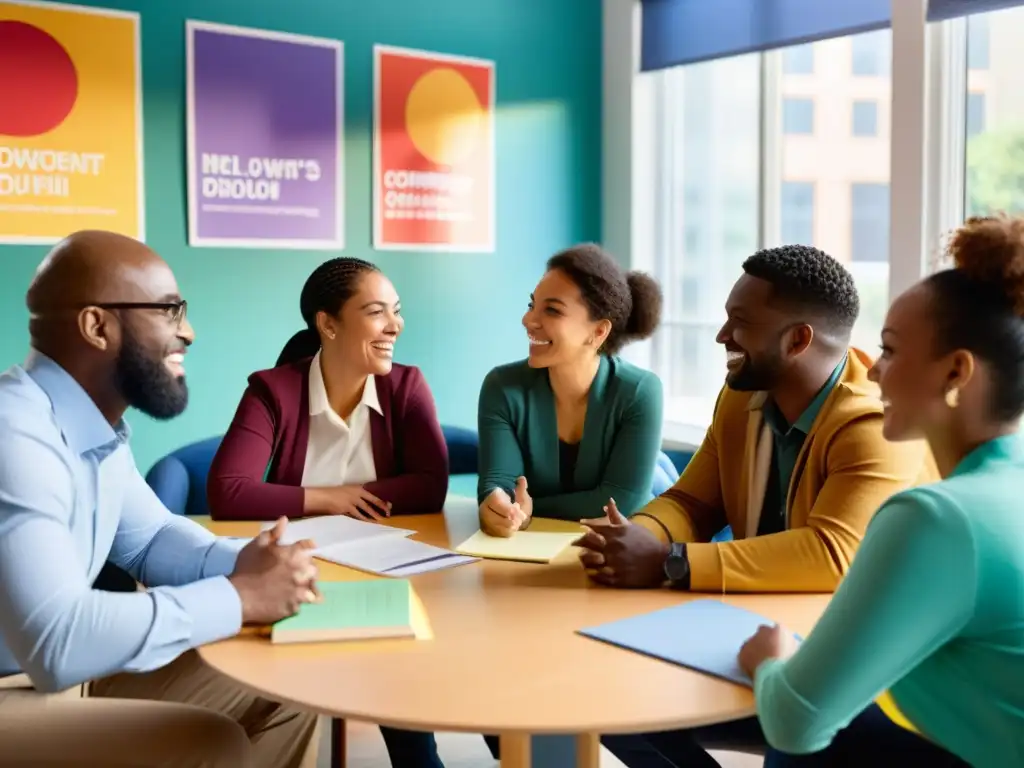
(431,565)
(388,554)
(337,530)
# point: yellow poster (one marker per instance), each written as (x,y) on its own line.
(70,122)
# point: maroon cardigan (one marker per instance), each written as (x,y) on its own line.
(257,472)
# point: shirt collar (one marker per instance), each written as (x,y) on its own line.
(806,419)
(1005,448)
(81,422)
(318,402)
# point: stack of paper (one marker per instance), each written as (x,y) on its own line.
(371,547)
(525,546)
(705,635)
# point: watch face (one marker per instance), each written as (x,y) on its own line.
(675,568)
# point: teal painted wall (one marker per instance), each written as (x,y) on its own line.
(462,310)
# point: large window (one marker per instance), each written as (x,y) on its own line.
(707,220)
(720,176)
(994,121)
(797,146)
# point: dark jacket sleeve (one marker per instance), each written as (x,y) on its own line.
(421,453)
(235,487)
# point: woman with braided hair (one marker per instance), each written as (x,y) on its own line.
(337,427)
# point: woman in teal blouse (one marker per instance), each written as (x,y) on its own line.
(573,425)
(919,658)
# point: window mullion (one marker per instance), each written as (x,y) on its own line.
(770,151)
(907,148)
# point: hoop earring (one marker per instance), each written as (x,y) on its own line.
(953,397)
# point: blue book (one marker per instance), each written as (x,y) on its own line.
(705,635)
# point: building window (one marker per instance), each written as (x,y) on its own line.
(865,118)
(796,213)
(869,226)
(797,116)
(872,54)
(977,42)
(975,113)
(798,60)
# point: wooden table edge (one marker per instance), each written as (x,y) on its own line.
(540,729)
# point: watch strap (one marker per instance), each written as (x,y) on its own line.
(649,516)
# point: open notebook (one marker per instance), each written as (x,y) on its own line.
(705,635)
(356,610)
(371,547)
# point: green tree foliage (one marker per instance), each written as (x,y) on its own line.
(995,171)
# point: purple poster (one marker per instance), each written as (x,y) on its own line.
(264,139)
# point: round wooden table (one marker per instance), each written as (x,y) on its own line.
(505,658)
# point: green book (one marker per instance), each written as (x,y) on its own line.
(351,610)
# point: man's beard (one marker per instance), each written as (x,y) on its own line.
(146,384)
(758,376)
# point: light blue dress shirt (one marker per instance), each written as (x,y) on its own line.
(71,498)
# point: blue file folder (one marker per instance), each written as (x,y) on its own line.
(705,635)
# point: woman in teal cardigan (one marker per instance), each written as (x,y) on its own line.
(919,658)
(573,425)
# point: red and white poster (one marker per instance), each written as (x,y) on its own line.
(433,152)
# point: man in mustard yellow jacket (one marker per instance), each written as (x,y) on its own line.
(794,461)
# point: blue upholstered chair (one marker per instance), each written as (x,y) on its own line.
(463,446)
(179,479)
(665,474)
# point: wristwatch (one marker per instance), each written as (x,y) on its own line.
(677,566)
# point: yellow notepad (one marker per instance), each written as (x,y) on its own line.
(527,546)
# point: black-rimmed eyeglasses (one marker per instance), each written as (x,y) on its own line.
(176,310)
